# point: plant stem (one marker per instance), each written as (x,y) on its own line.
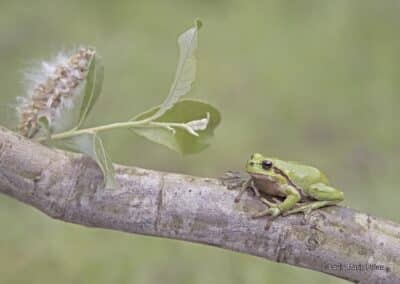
(75,132)
(117,125)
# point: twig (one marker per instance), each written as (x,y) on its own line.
(336,240)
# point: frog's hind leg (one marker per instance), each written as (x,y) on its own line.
(324,196)
(306,209)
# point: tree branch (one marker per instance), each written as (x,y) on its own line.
(68,187)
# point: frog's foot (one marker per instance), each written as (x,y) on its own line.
(233,179)
(272,211)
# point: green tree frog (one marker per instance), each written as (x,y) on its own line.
(303,188)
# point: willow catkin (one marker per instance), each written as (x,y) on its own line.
(52,90)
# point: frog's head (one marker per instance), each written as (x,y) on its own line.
(261,165)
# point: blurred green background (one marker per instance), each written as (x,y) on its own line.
(314,81)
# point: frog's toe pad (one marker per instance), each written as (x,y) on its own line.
(274,211)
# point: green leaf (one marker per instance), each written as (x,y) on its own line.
(186,69)
(105,163)
(91,145)
(44,124)
(182,112)
(79,144)
(93,86)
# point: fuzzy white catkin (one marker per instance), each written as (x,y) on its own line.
(53,89)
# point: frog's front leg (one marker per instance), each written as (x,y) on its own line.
(245,186)
(325,196)
(269,203)
(248,184)
(292,197)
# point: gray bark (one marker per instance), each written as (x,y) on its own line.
(68,187)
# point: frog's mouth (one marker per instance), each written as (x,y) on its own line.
(262,177)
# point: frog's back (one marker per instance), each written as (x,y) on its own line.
(301,175)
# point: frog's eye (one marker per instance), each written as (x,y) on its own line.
(266,164)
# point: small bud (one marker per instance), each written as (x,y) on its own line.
(200,124)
